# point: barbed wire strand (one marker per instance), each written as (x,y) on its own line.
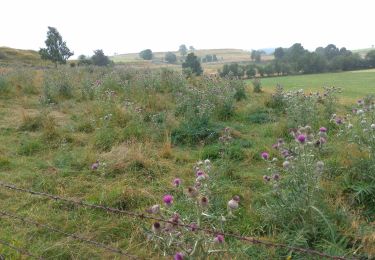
(92,242)
(143,216)
(22,251)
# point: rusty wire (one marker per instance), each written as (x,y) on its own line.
(74,236)
(144,216)
(22,251)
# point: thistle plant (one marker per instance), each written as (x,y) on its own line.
(294,176)
(188,241)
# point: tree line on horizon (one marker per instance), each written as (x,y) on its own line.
(297,60)
(293,60)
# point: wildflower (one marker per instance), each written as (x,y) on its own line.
(193,227)
(350,126)
(285,153)
(276,176)
(320,165)
(323,129)
(286,164)
(168,200)
(232,204)
(200,173)
(338,121)
(360,112)
(154,209)
(372,126)
(207,162)
(95,166)
(192,192)
(204,202)
(156,227)
(301,138)
(219,239)
(200,178)
(265,155)
(178,256)
(177,182)
(266,178)
(236,198)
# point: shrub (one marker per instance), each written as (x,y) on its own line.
(146,54)
(261,116)
(277,101)
(257,85)
(57,84)
(195,131)
(295,199)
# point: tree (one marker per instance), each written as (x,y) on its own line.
(279,53)
(146,54)
(170,57)
(56,50)
(100,59)
(191,48)
(250,71)
(193,64)
(370,57)
(83,60)
(255,55)
(331,51)
(182,50)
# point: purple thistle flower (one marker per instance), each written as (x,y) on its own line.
(193,226)
(178,256)
(168,199)
(200,173)
(177,182)
(265,155)
(301,138)
(323,129)
(338,121)
(95,166)
(219,239)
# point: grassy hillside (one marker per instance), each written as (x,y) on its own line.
(10,56)
(121,137)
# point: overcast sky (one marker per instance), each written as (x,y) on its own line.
(121,26)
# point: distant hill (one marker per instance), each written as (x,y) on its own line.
(363,52)
(10,56)
(223,55)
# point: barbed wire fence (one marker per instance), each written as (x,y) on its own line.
(149,217)
(74,236)
(20,250)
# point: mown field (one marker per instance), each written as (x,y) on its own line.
(120,137)
(354,84)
